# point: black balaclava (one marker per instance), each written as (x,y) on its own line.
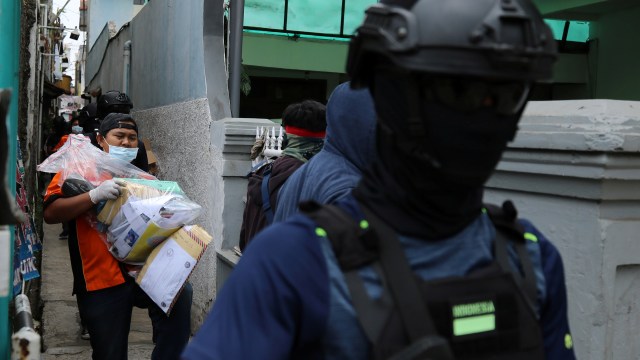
(433,160)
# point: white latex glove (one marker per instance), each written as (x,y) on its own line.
(108,190)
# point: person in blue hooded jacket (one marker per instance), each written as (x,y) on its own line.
(349,148)
(450,80)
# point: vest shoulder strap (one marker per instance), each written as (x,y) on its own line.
(267,210)
(356,245)
(509,230)
(352,245)
(505,217)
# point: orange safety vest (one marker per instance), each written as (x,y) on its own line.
(63,140)
(100,269)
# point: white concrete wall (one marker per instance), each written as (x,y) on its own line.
(574,171)
(235,137)
(209,160)
(180,138)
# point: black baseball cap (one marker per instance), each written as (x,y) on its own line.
(117,121)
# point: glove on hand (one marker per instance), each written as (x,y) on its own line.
(108,190)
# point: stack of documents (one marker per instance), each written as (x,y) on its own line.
(144,215)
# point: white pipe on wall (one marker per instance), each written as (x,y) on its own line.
(126,72)
(26,341)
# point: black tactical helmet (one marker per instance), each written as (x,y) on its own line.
(491,39)
(113,102)
(88,112)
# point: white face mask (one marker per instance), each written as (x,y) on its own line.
(76,129)
(122,153)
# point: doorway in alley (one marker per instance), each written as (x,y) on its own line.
(269,96)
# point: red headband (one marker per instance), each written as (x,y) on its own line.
(304,132)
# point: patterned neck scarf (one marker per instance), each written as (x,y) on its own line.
(302,148)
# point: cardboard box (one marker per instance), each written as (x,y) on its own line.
(152,160)
(150,155)
(170,264)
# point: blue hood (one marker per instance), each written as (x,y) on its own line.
(348,150)
(351,125)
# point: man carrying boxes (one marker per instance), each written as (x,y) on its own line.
(104,291)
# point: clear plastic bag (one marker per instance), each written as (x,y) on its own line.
(78,158)
(147,211)
(145,214)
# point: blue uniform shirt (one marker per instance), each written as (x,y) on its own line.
(287,297)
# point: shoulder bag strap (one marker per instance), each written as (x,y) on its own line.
(266,199)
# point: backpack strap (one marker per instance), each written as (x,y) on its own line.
(352,250)
(509,230)
(356,245)
(352,245)
(266,199)
(257,167)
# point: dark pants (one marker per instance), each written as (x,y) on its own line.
(107,314)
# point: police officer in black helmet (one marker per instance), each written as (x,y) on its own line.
(113,101)
(88,118)
(413,265)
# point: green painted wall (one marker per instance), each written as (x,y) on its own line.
(616,49)
(571,69)
(282,53)
(278,52)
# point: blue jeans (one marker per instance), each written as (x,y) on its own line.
(107,314)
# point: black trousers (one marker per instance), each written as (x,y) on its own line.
(107,315)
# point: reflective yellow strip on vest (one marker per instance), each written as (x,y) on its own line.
(474,324)
(568,341)
(531,237)
(321,232)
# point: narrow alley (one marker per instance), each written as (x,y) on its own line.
(60,318)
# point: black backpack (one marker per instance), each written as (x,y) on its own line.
(261,173)
(487,314)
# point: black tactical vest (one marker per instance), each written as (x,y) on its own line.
(487,314)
